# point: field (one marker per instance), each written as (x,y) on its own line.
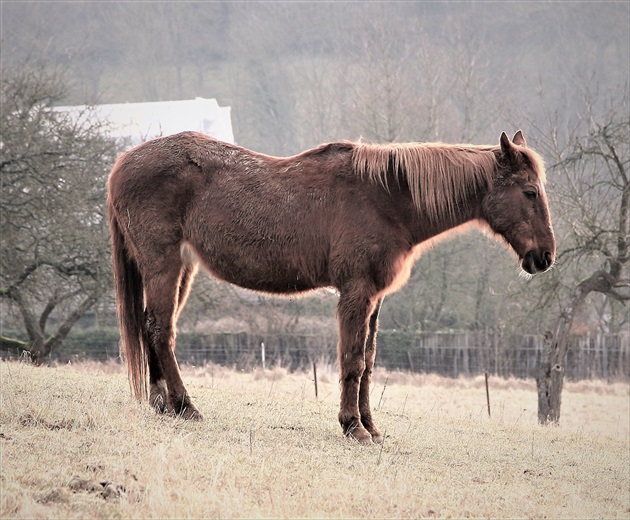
(74,445)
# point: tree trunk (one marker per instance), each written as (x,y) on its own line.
(550,380)
(62,331)
(38,347)
(554,357)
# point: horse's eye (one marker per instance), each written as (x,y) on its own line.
(530,194)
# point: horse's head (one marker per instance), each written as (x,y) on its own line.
(516,206)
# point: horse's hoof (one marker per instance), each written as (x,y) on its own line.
(360,434)
(368,424)
(183,408)
(377,438)
(365,441)
(190,413)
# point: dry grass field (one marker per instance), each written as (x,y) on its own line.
(74,445)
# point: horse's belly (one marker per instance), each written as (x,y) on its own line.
(268,271)
(278,281)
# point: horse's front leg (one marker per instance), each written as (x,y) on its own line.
(353,313)
(366,378)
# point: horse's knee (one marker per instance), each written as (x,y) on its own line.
(352,370)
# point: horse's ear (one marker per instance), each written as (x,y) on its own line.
(510,152)
(519,139)
(506,146)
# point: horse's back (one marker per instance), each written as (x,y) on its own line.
(265,223)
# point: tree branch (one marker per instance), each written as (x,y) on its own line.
(53,341)
(72,270)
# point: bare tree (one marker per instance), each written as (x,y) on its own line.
(54,260)
(592,189)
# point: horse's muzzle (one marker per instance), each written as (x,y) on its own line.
(537,261)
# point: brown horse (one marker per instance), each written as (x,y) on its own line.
(345,215)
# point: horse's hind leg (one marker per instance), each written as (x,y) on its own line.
(162,288)
(158,391)
(366,378)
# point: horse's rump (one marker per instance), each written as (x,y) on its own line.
(242,213)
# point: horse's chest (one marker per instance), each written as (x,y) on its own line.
(400,273)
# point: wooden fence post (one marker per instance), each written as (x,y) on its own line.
(487,394)
(410,361)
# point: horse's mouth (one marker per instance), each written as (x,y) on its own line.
(537,262)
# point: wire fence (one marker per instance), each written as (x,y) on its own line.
(597,356)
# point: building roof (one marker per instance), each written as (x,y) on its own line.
(135,123)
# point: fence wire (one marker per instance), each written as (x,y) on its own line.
(597,356)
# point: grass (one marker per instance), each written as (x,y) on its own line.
(74,445)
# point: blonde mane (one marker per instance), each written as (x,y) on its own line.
(439,176)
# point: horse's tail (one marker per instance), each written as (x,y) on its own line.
(130,307)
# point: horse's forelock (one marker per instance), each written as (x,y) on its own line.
(537,163)
(438,175)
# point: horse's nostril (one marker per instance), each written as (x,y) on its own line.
(537,261)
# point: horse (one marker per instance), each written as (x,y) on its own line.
(351,216)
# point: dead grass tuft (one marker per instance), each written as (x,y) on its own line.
(274,374)
(28,419)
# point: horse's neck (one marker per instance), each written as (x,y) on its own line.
(461,213)
(447,186)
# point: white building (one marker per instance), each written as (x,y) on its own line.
(135,123)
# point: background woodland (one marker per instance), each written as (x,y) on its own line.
(296,75)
